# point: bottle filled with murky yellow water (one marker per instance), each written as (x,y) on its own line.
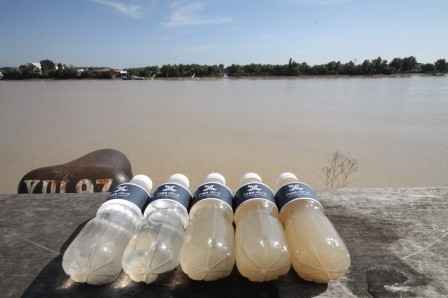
(260,245)
(208,249)
(317,251)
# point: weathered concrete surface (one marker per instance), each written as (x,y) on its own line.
(397,239)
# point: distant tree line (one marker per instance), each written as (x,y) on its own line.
(376,66)
(179,71)
(49,70)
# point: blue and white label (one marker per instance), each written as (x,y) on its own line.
(213,191)
(252,191)
(173,192)
(130,192)
(294,191)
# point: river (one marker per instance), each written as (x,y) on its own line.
(395,127)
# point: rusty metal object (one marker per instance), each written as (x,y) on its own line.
(98,171)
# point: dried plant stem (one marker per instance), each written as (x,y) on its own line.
(338,172)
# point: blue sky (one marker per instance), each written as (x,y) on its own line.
(133,33)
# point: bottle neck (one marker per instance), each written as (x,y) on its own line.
(250,180)
(214,180)
(286,181)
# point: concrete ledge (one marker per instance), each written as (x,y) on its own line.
(397,238)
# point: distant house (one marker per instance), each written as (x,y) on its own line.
(37,65)
(106,71)
(102,70)
(123,73)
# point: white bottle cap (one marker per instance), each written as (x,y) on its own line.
(284,176)
(143,181)
(180,179)
(215,177)
(248,176)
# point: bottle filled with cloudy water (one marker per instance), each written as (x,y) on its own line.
(95,255)
(155,248)
(208,249)
(317,251)
(260,245)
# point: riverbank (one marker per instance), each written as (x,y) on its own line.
(249,77)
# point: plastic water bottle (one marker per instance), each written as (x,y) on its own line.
(155,248)
(317,251)
(94,257)
(208,249)
(260,244)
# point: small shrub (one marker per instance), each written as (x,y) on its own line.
(339,171)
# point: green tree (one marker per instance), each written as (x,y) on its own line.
(318,69)
(234,70)
(47,66)
(366,67)
(408,64)
(280,70)
(221,69)
(428,67)
(305,68)
(64,74)
(293,68)
(11,74)
(214,70)
(168,70)
(379,66)
(152,70)
(105,75)
(396,64)
(441,65)
(333,67)
(350,68)
(87,74)
(28,71)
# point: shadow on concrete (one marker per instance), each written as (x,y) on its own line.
(374,271)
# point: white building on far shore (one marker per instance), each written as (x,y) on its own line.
(37,65)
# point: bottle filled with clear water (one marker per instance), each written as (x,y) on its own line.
(317,251)
(155,248)
(208,249)
(260,245)
(95,255)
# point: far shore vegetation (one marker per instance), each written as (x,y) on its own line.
(47,69)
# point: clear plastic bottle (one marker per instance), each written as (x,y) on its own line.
(317,251)
(94,256)
(260,244)
(208,249)
(155,248)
